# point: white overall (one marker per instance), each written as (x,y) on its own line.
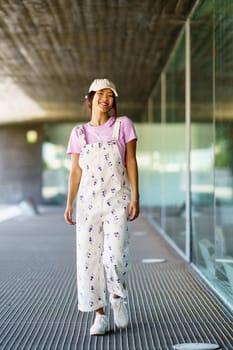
(102,233)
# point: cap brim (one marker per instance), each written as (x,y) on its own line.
(115,93)
(107,87)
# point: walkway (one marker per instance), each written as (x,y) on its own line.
(38,305)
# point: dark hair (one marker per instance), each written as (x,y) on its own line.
(89,99)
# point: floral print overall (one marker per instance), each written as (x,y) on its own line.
(102,233)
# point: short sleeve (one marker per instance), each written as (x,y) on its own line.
(74,144)
(128,129)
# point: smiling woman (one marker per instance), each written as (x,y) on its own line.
(96,90)
(104,175)
(102,102)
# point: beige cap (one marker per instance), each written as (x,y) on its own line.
(99,84)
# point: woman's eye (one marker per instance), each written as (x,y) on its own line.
(102,94)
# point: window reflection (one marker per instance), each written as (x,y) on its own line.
(224,146)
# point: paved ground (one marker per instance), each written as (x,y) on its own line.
(168,304)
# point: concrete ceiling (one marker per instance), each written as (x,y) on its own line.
(51,50)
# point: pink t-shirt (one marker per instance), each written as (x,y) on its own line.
(103,133)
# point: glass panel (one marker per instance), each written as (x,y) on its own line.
(202,139)
(224,146)
(149,164)
(161,160)
(174,154)
(154,209)
(175,76)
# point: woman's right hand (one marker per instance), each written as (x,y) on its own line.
(74,180)
(68,216)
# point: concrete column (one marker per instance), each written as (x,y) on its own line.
(20,164)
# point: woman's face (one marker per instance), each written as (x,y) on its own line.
(103,100)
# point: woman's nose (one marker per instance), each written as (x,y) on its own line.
(105,97)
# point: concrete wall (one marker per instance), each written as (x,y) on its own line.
(20,164)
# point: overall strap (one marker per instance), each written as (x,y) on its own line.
(81,135)
(116,129)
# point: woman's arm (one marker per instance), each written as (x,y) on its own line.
(74,180)
(132,170)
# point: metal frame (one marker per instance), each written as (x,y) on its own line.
(188,237)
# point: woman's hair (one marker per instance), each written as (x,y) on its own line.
(89,99)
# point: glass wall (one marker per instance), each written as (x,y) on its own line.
(223,30)
(210,146)
(211,150)
(162,152)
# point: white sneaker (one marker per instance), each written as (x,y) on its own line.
(121,317)
(100,325)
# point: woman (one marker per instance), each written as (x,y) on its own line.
(104,174)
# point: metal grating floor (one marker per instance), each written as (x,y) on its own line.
(38,303)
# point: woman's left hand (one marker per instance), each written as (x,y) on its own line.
(133,210)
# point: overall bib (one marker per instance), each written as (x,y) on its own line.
(102,233)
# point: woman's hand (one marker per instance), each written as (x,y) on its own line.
(132,170)
(74,180)
(133,210)
(68,216)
